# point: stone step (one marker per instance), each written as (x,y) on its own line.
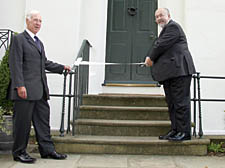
(129,145)
(121,127)
(125,124)
(123,113)
(124,100)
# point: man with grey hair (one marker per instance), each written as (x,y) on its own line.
(172,66)
(29,91)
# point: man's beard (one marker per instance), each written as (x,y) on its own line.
(162,25)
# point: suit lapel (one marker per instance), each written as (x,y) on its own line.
(31,41)
(165,28)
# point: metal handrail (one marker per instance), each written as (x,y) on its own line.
(81,81)
(80,78)
(197,99)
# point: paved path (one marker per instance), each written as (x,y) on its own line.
(118,161)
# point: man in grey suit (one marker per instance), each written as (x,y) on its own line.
(172,66)
(29,91)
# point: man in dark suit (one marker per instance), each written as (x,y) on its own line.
(29,91)
(172,66)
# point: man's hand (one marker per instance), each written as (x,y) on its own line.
(148,61)
(68,68)
(22,92)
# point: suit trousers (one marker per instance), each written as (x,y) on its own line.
(177,91)
(38,112)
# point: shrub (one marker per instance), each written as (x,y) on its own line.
(6,105)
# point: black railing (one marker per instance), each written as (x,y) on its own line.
(197,99)
(81,80)
(79,76)
(5,38)
(78,83)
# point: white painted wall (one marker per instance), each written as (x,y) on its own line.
(11,17)
(176,8)
(12,14)
(93,28)
(205,31)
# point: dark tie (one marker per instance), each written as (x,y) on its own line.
(38,43)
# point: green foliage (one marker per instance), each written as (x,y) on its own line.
(216,148)
(5,104)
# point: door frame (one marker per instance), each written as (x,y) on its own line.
(126,83)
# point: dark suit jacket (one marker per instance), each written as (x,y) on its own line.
(170,54)
(27,68)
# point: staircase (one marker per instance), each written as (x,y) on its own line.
(125,124)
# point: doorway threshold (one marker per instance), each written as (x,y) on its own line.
(130,85)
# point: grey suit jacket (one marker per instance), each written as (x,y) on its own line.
(170,54)
(27,68)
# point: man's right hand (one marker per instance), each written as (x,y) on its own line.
(148,61)
(22,92)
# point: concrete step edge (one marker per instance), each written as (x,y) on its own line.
(123,96)
(130,108)
(126,140)
(121,122)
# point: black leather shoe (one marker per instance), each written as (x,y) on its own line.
(54,155)
(24,158)
(169,134)
(180,136)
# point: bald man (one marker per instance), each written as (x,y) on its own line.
(172,66)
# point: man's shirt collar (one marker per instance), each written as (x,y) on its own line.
(31,34)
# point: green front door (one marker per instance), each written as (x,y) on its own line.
(131,30)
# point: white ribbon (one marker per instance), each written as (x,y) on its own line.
(79,62)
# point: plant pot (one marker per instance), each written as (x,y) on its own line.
(6,138)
